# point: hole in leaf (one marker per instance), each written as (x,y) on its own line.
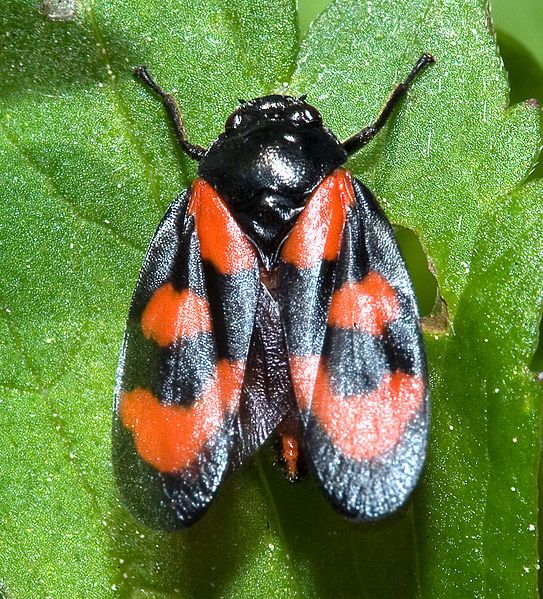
(424,281)
(536,365)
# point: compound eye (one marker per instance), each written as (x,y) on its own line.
(312,115)
(233,120)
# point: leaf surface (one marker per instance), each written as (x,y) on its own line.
(89,167)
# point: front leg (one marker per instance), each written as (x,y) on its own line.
(195,152)
(360,139)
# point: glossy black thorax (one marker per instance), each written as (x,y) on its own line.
(271,157)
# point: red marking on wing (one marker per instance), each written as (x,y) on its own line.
(316,235)
(303,371)
(171,437)
(171,315)
(222,241)
(365,426)
(368,305)
(360,426)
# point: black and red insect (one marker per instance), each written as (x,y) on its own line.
(273,300)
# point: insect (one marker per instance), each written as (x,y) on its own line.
(273,299)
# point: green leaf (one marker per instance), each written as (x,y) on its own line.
(89,166)
(308,10)
(480,489)
(518,30)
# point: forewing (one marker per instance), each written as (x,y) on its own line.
(356,353)
(183,361)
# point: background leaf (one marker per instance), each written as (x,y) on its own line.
(90,165)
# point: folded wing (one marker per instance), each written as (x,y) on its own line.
(183,363)
(356,355)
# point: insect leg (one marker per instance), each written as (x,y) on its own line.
(195,152)
(360,139)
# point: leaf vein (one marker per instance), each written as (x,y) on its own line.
(232,21)
(5,313)
(59,194)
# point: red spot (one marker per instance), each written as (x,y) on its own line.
(303,371)
(171,315)
(368,305)
(171,437)
(316,235)
(222,242)
(363,427)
